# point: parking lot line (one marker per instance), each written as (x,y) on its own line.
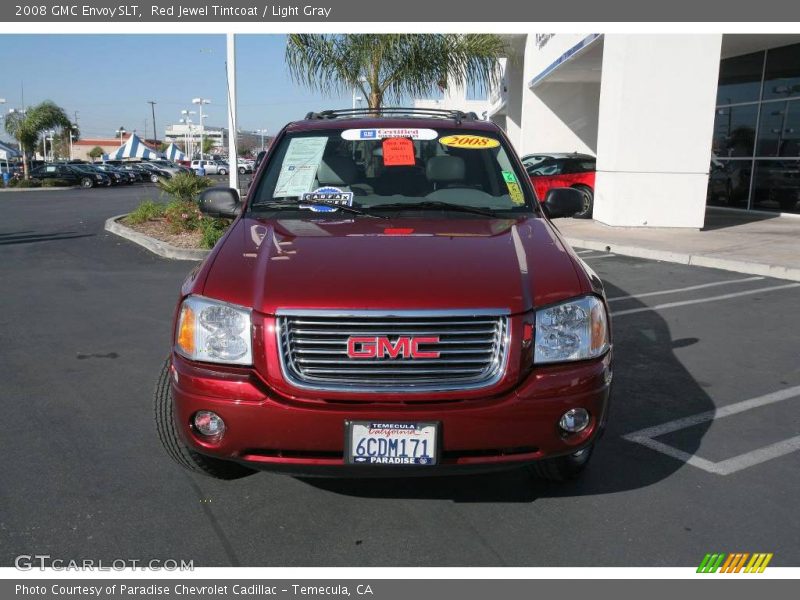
(581,252)
(685,289)
(645,437)
(598,256)
(773,288)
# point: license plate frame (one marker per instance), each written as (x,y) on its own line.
(428,431)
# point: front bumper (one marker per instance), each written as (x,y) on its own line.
(266,430)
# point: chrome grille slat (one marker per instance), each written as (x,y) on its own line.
(313,370)
(391,331)
(391,324)
(462,341)
(399,364)
(330,352)
(473,347)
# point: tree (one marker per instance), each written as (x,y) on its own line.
(61,140)
(96,152)
(396,66)
(208,145)
(27,126)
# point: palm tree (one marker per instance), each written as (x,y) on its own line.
(27,126)
(396,66)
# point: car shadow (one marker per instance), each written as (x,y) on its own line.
(723,219)
(27,237)
(650,387)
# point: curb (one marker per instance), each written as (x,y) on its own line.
(698,260)
(39,189)
(155,246)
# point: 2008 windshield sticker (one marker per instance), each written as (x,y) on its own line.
(473,142)
(359,135)
(326,199)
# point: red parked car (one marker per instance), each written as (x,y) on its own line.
(548,171)
(389,300)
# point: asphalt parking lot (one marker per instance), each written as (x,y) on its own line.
(700,454)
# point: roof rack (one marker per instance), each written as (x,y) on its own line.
(435,113)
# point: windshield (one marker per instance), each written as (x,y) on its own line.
(391,169)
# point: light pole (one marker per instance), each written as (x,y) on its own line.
(120,132)
(356,98)
(261,132)
(201,102)
(188,137)
(152,104)
(50,137)
(72,128)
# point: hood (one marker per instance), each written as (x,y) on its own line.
(362,263)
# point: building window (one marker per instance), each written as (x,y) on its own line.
(735,131)
(782,74)
(740,79)
(755,161)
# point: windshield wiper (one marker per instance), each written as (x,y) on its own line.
(433,204)
(297,205)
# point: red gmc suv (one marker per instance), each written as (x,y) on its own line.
(390,299)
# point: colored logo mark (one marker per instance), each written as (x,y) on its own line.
(735,563)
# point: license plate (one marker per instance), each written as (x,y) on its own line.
(390,443)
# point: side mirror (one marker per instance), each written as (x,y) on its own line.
(259,157)
(220,202)
(563,202)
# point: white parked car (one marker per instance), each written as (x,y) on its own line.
(211,167)
(245,166)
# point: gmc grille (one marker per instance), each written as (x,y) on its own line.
(472,350)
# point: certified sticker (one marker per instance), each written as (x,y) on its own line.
(473,142)
(414,133)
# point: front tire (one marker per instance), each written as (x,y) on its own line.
(242,170)
(174,446)
(222,172)
(87,182)
(588,202)
(563,468)
(154,178)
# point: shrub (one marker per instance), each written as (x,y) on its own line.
(28,183)
(184,186)
(212,230)
(146,211)
(55,183)
(182,215)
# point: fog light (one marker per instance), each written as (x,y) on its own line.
(209,423)
(574,420)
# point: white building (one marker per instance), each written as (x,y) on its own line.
(660,112)
(188,137)
(454,98)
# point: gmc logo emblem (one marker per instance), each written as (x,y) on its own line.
(383,347)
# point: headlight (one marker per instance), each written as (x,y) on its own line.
(214,331)
(573,330)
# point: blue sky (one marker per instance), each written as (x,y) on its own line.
(108,79)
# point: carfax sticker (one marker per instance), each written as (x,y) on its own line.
(473,142)
(355,135)
(326,199)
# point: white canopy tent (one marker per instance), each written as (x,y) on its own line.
(7,152)
(174,153)
(134,147)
